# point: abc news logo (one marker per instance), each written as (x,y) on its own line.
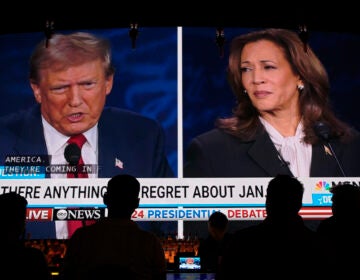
(66,214)
(78,214)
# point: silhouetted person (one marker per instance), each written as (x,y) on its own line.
(279,247)
(18,261)
(211,248)
(116,243)
(341,231)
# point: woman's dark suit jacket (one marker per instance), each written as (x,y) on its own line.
(218,154)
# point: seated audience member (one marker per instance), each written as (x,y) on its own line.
(341,231)
(116,243)
(211,248)
(281,246)
(17,260)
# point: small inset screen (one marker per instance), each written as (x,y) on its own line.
(189,263)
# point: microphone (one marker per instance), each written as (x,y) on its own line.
(72,155)
(323,131)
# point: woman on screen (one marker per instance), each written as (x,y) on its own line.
(282,122)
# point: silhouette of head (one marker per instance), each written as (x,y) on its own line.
(345,200)
(284,196)
(13,209)
(217,225)
(122,196)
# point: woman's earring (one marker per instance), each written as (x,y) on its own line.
(300,87)
(244,91)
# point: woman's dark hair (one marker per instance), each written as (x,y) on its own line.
(314,98)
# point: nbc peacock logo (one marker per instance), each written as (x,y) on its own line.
(322,186)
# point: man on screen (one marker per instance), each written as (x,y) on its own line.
(71,76)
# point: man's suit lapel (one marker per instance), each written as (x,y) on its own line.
(264,153)
(31,140)
(107,167)
(106,160)
(109,145)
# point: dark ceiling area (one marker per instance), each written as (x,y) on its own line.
(323,17)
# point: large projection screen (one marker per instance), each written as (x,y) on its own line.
(175,75)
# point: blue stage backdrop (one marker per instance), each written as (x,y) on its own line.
(145,79)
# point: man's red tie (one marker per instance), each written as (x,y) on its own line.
(79,140)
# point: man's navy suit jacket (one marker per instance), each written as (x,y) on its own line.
(136,140)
